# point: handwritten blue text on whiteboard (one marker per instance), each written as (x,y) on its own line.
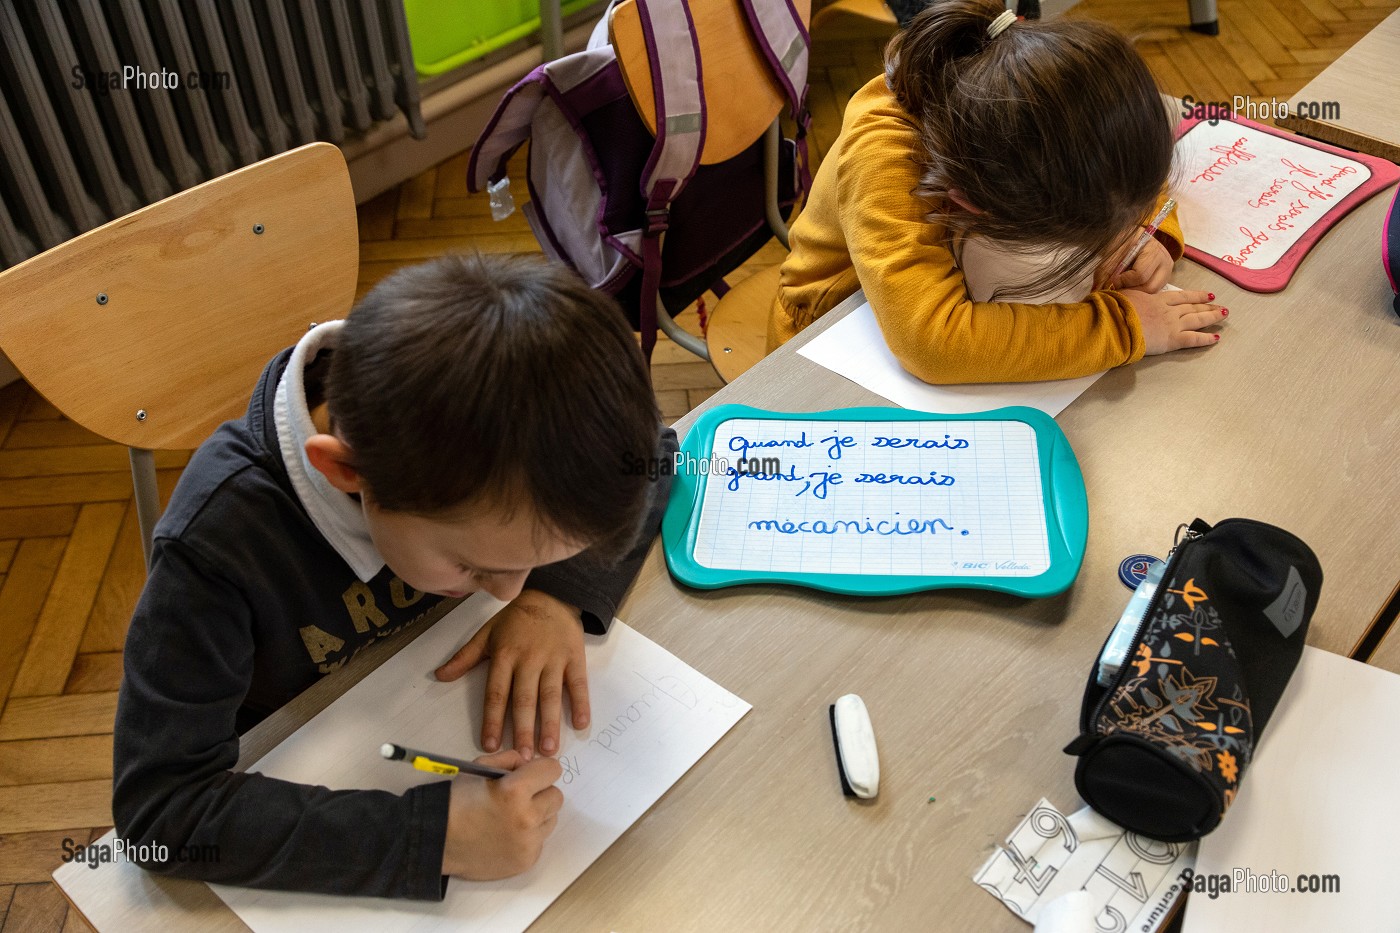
(954,498)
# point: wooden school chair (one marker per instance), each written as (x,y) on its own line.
(873,11)
(151,330)
(746,104)
(738,333)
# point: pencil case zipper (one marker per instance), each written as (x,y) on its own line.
(1186,535)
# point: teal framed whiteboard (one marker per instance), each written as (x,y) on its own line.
(877,501)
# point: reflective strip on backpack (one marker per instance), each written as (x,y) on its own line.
(785,43)
(673,53)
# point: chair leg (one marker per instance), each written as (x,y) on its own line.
(1204,18)
(143,481)
(772,137)
(668,326)
(673,330)
(771,141)
(551,30)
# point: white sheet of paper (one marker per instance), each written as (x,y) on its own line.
(1133,880)
(1319,798)
(954,498)
(854,347)
(653,718)
(1069,913)
(1247,196)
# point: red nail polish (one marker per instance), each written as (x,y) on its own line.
(1210,296)
(1217,338)
(1224,312)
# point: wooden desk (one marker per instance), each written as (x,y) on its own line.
(1365,83)
(1387,654)
(1291,419)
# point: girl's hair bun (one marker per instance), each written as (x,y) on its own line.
(946,31)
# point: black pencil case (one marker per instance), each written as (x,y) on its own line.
(1163,749)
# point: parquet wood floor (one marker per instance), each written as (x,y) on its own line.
(70,559)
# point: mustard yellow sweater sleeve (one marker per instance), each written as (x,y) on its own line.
(917,292)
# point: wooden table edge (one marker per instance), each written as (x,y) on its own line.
(72,904)
(1378,630)
(1341,136)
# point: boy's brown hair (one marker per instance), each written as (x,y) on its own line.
(495,381)
(1054,130)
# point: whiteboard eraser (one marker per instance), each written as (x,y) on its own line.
(856,757)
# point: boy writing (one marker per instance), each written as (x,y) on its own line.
(460,431)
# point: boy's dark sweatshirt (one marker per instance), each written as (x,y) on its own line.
(247,604)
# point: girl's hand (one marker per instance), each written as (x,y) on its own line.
(1174,320)
(535,644)
(1149,271)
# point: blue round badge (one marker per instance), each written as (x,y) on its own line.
(1134,568)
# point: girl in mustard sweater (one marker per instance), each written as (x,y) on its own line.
(1047,142)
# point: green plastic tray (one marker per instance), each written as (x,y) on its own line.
(449,33)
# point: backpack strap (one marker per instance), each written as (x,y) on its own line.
(785,42)
(673,54)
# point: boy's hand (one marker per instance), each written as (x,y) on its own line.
(1149,271)
(536,647)
(496,829)
(1173,320)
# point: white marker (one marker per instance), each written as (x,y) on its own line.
(856,754)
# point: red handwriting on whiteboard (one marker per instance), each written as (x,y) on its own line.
(1301,185)
(1269,195)
(1317,181)
(1295,169)
(1282,221)
(1255,239)
(1232,154)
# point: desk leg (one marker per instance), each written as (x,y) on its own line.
(1204,19)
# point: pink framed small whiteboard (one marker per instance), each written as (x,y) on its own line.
(1252,200)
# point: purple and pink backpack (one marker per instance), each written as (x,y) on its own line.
(603,189)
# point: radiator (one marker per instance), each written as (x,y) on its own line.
(109,105)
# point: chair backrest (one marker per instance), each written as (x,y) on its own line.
(746,95)
(151,330)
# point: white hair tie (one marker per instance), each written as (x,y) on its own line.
(998,25)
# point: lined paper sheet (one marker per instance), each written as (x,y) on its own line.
(854,347)
(1246,196)
(956,498)
(653,717)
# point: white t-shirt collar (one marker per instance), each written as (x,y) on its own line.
(337,515)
